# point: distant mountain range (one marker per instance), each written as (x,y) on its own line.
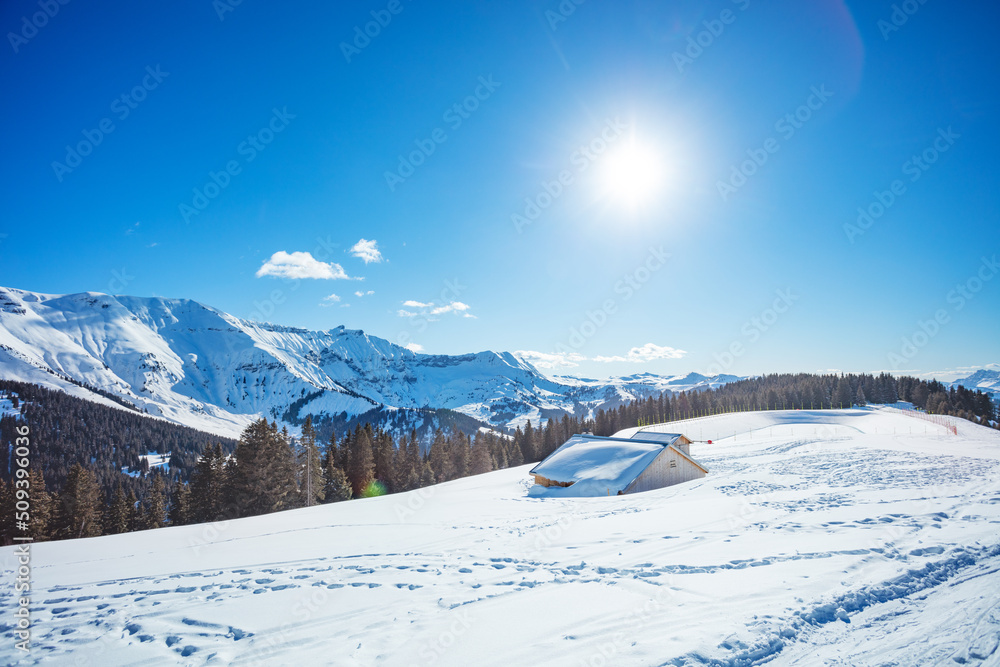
(198,366)
(986,380)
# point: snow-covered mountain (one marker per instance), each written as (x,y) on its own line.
(198,366)
(985,379)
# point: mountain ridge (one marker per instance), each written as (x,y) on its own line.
(198,366)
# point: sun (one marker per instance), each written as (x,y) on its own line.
(633,173)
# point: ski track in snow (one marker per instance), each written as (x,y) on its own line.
(798,550)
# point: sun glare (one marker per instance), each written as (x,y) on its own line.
(633,173)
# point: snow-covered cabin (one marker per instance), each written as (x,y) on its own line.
(590,465)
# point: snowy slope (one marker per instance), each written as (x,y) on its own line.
(204,368)
(834,537)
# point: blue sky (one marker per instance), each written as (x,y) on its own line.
(713,156)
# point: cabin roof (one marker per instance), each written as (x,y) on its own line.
(652,436)
(598,463)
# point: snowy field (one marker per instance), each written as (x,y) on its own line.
(860,537)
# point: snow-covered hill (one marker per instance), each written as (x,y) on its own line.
(853,537)
(201,367)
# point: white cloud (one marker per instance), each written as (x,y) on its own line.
(367,251)
(550,361)
(414,347)
(645,353)
(359,293)
(453,307)
(298,265)
(557,360)
(329,300)
(431,310)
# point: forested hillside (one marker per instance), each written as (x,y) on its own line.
(67,430)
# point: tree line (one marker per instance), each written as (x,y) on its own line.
(267,470)
(802,391)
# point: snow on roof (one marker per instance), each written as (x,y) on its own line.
(651,436)
(597,465)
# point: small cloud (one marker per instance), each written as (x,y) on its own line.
(367,251)
(329,300)
(133,229)
(360,294)
(453,307)
(414,347)
(550,361)
(153,244)
(431,310)
(296,265)
(645,353)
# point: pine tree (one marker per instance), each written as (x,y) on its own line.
(154,513)
(360,460)
(414,461)
(180,504)
(480,459)
(207,486)
(515,457)
(263,473)
(338,487)
(331,455)
(382,454)
(438,458)
(42,506)
(842,394)
(116,515)
(80,504)
(549,443)
(134,521)
(528,449)
(426,475)
(459,456)
(860,398)
(311,484)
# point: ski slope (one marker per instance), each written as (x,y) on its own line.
(833,537)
